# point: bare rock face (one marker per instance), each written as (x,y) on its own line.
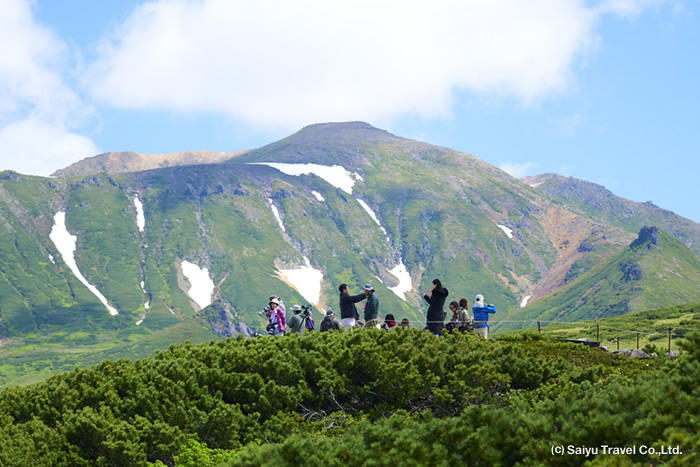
(648,235)
(220,315)
(123,162)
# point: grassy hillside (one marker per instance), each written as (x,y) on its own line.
(655,269)
(441,213)
(652,327)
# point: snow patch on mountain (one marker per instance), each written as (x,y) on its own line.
(65,244)
(140,218)
(336,175)
(526,299)
(276,213)
(318,195)
(202,287)
(373,215)
(306,280)
(401,273)
(508,231)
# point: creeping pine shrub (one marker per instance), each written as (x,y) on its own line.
(273,398)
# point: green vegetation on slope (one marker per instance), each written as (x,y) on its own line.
(651,327)
(388,397)
(655,269)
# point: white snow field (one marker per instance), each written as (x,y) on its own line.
(306,280)
(318,195)
(140,218)
(508,231)
(333,174)
(65,244)
(202,286)
(401,273)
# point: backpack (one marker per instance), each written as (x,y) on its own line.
(310,323)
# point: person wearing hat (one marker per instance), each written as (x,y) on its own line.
(296,322)
(371,307)
(278,321)
(329,322)
(280,305)
(348,312)
(481,316)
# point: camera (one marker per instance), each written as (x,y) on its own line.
(305,310)
(263,312)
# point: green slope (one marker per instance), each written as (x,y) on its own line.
(655,270)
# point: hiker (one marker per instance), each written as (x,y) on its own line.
(405,323)
(279,317)
(389,322)
(348,312)
(481,316)
(310,325)
(280,304)
(464,304)
(329,322)
(435,317)
(460,317)
(371,307)
(296,322)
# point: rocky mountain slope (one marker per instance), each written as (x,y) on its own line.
(655,270)
(122,162)
(140,251)
(601,205)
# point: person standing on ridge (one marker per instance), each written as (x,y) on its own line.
(296,322)
(436,299)
(348,312)
(277,318)
(371,307)
(481,316)
(329,322)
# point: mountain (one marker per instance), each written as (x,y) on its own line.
(121,162)
(131,255)
(600,204)
(655,270)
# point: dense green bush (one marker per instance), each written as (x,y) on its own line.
(365,396)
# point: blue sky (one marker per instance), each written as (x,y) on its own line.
(605,91)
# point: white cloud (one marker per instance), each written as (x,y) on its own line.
(626,7)
(32,146)
(567,170)
(39,112)
(287,64)
(517,170)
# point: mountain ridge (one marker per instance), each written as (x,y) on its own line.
(330,204)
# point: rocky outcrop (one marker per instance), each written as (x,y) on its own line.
(220,316)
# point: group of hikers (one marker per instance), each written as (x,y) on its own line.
(302,319)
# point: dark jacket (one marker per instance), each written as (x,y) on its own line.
(329,323)
(372,307)
(435,316)
(481,316)
(347,305)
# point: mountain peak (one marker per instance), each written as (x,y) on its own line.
(326,143)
